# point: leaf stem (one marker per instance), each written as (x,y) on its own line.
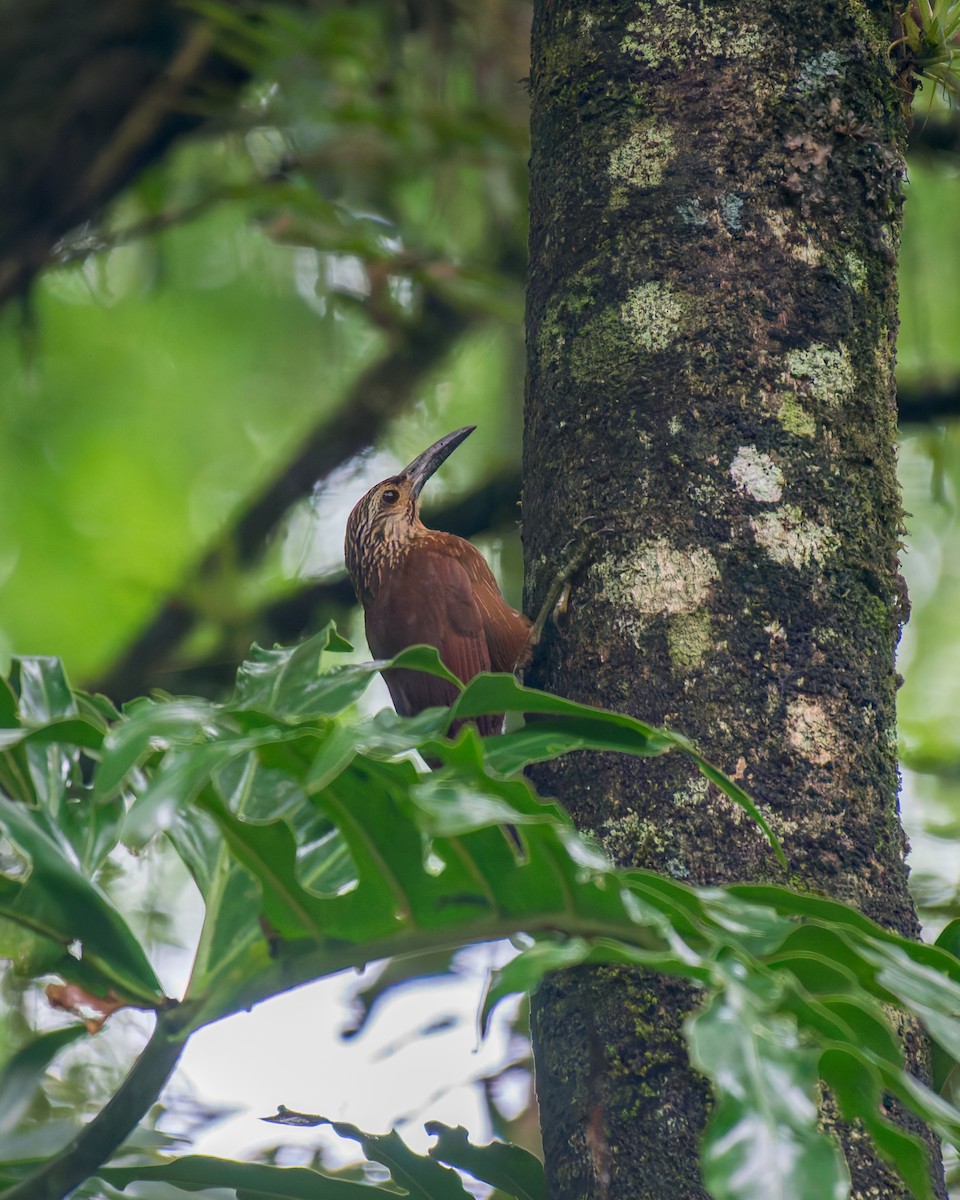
(98,1140)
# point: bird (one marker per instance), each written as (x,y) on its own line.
(420,585)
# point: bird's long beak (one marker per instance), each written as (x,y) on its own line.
(424,465)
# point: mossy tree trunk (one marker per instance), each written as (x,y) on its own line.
(716,198)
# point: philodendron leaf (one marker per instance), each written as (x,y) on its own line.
(510,1169)
(252,1181)
(860,1093)
(43,692)
(288,681)
(564,725)
(763,1140)
(416,1175)
(55,899)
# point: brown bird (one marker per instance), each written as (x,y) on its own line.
(420,585)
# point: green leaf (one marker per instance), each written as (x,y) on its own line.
(860,1095)
(252,1181)
(24,1072)
(8,706)
(511,1169)
(949,938)
(42,689)
(762,1141)
(418,1176)
(288,681)
(583,727)
(56,900)
(149,726)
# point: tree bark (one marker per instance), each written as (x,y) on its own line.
(715,215)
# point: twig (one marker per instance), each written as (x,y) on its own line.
(144,120)
(928,402)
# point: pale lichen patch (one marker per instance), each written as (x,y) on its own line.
(660,579)
(641,160)
(653,314)
(674,35)
(757,474)
(828,374)
(811,730)
(731,207)
(693,794)
(692,214)
(795,242)
(856,271)
(791,539)
(821,71)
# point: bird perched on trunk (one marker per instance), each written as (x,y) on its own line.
(421,585)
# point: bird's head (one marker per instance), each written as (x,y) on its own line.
(389,513)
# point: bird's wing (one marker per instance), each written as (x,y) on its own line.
(507,632)
(428,598)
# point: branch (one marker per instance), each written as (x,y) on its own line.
(935,137)
(101,1137)
(928,402)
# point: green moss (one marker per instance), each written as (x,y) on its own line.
(672,32)
(689,639)
(872,29)
(794,417)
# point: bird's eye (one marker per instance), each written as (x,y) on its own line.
(390,496)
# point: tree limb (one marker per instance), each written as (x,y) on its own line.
(928,402)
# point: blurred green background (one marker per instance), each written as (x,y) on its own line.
(363,209)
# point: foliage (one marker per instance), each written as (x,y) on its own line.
(930,29)
(317,843)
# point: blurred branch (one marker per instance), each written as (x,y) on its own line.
(92,94)
(380,392)
(936,136)
(927,402)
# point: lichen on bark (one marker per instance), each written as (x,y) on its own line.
(711,315)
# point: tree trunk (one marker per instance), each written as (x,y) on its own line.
(715,218)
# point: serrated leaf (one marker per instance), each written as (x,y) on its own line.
(288,681)
(149,726)
(579,726)
(43,692)
(859,1092)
